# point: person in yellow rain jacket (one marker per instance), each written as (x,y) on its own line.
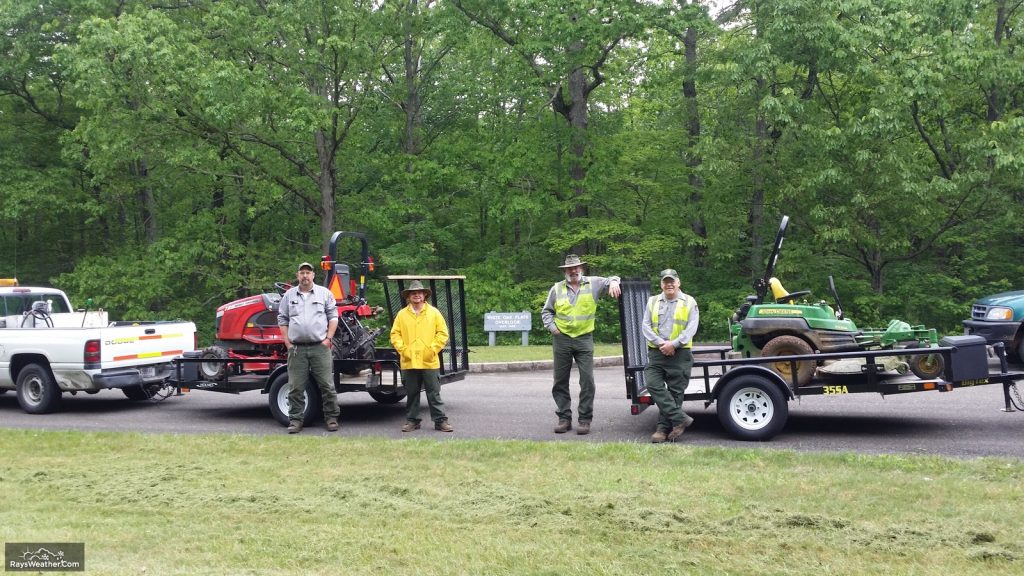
(418,335)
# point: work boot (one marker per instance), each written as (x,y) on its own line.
(563,426)
(583,428)
(659,436)
(332,424)
(678,430)
(295,426)
(411,425)
(443,426)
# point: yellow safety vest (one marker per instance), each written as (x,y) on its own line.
(575,320)
(679,319)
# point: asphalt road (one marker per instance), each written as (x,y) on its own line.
(964,423)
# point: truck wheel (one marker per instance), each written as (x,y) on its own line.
(790,346)
(385,397)
(752,408)
(279,401)
(213,371)
(37,392)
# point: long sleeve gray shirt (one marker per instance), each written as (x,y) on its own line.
(598,284)
(666,320)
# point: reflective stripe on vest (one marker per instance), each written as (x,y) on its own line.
(679,318)
(575,320)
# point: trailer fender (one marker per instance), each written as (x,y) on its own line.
(739,371)
(273,375)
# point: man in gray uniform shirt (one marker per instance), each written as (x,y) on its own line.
(308,317)
(670,321)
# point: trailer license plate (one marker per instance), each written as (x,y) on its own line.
(148,371)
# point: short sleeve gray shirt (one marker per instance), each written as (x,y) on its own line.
(306,314)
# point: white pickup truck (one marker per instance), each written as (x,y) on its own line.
(47,348)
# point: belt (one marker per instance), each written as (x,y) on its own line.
(307,343)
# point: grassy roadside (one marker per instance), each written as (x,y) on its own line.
(481,354)
(218,504)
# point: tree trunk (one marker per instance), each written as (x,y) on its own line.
(326,149)
(693,159)
(146,200)
(411,141)
(756,211)
(998,33)
(577,117)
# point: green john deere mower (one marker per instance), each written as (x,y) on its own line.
(791,325)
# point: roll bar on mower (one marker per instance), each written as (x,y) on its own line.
(339,276)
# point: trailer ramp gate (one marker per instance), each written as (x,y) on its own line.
(632,302)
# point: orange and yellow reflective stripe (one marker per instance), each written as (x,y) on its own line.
(148,355)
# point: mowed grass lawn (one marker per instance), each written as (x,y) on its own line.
(222,504)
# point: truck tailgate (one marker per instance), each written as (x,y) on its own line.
(135,345)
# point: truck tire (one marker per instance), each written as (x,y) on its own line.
(213,371)
(279,401)
(37,391)
(752,408)
(790,346)
(385,397)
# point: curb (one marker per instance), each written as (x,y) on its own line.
(529,365)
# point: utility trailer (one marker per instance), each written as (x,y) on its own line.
(359,364)
(752,399)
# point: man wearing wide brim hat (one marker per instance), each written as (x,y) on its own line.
(416,286)
(669,324)
(569,314)
(418,335)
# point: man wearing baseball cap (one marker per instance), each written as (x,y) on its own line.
(669,324)
(569,314)
(308,317)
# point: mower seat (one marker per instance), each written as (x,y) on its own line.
(781,295)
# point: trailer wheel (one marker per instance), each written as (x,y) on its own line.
(37,391)
(752,408)
(790,346)
(385,397)
(279,401)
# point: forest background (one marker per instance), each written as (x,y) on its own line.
(165,157)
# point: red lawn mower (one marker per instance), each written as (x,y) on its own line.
(247,328)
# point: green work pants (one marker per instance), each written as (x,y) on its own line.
(423,380)
(580,349)
(666,378)
(311,361)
